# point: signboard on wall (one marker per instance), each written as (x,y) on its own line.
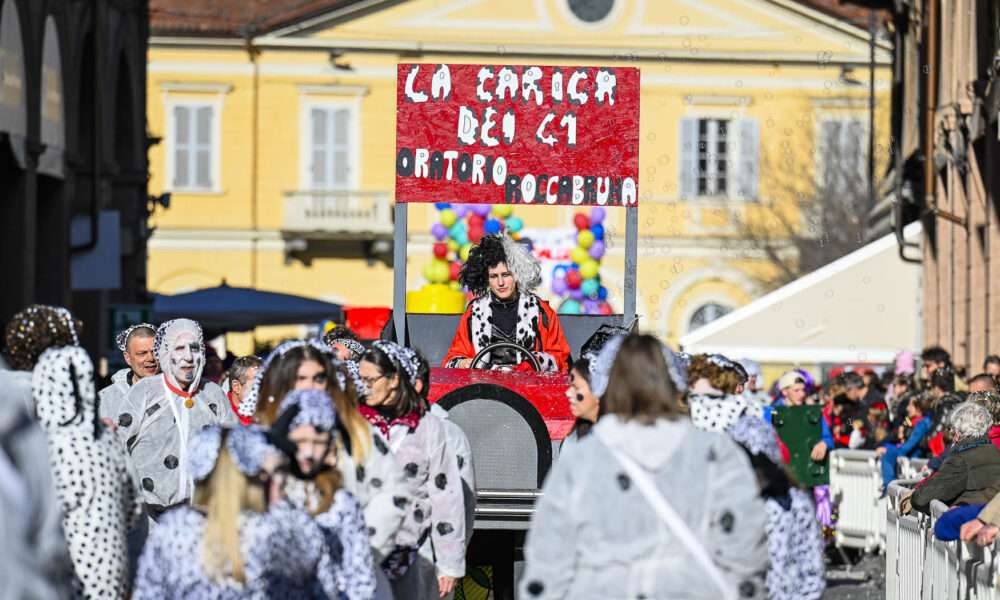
(503,134)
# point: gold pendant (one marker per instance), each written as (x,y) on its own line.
(189,403)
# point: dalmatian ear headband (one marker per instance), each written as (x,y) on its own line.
(724,363)
(600,366)
(246,445)
(161,334)
(402,356)
(315,408)
(121,340)
(50,313)
(356,347)
(248,406)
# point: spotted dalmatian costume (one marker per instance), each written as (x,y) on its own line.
(92,480)
(538,329)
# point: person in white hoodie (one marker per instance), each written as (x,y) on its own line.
(136,345)
(650,507)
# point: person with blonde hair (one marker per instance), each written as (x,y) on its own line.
(229,543)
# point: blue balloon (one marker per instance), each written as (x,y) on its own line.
(602,293)
(590,288)
(559,271)
(514,224)
(598,231)
(570,307)
(493,226)
(442,205)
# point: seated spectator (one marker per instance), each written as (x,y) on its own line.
(903,389)
(949,526)
(991,401)
(971,473)
(985,526)
(914,430)
(942,389)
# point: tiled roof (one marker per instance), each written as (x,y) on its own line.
(239,18)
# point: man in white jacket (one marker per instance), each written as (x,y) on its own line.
(136,345)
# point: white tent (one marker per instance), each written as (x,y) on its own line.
(863,307)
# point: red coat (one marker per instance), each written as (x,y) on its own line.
(545,337)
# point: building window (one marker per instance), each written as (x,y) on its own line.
(842,160)
(591,11)
(194,146)
(707,313)
(329,156)
(719,158)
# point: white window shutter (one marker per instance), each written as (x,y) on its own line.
(182,149)
(341,133)
(203,155)
(688,158)
(748,181)
(318,170)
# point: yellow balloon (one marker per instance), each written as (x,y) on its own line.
(441,272)
(579,255)
(455,286)
(448,217)
(502,210)
(589,269)
(585,238)
(429,272)
(453,246)
(464,252)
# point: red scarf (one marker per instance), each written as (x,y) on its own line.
(410,420)
(235,403)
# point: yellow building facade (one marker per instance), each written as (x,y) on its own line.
(277,150)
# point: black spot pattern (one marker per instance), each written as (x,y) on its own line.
(624,482)
(444,528)
(371,531)
(400,501)
(376,483)
(727,521)
(411,469)
(535,588)
(441,481)
(748,589)
(152,409)
(124,420)
(360,473)
(147,484)
(170,462)
(461,461)
(418,516)
(214,408)
(380,445)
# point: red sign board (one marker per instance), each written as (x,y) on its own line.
(527,134)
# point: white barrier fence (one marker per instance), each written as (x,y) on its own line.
(920,566)
(855,486)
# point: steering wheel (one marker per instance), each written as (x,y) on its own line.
(521,349)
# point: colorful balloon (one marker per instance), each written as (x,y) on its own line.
(559,271)
(455,268)
(503,210)
(476,235)
(493,226)
(442,272)
(442,205)
(598,231)
(570,307)
(581,221)
(559,286)
(453,246)
(574,279)
(439,231)
(448,217)
(460,210)
(602,293)
(585,238)
(605,309)
(482,209)
(464,252)
(514,224)
(591,307)
(576,294)
(597,250)
(440,250)
(476,220)
(589,269)
(579,255)
(597,214)
(590,287)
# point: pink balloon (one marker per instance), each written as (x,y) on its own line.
(559,286)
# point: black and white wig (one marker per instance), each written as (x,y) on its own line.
(493,250)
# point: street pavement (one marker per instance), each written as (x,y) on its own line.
(842,584)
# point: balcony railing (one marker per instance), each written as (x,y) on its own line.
(342,212)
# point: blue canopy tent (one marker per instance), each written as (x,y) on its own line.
(226,308)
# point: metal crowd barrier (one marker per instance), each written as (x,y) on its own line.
(920,566)
(855,487)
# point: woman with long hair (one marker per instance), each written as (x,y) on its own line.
(370,474)
(436,508)
(650,506)
(306,432)
(228,543)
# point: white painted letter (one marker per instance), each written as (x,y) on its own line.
(468,125)
(548,140)
(500,171)
(488,123)
(450,156)
(529,85)
(507,127)
(607,85)
(412,95)
(507,84)
(478,168)
(576,97)
(420,166)
(568,122)
(485,74)
(441,83)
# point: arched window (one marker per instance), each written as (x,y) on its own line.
(591,11)
(707,313)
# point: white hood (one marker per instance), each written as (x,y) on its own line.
(649,445)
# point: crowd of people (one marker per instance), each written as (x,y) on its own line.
(324,471)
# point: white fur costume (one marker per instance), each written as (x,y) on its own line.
(92,482)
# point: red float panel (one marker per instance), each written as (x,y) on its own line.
(517,134)
(546,392)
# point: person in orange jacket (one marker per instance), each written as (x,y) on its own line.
(503,275)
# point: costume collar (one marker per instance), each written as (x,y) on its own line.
(411,420)
(177,390)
